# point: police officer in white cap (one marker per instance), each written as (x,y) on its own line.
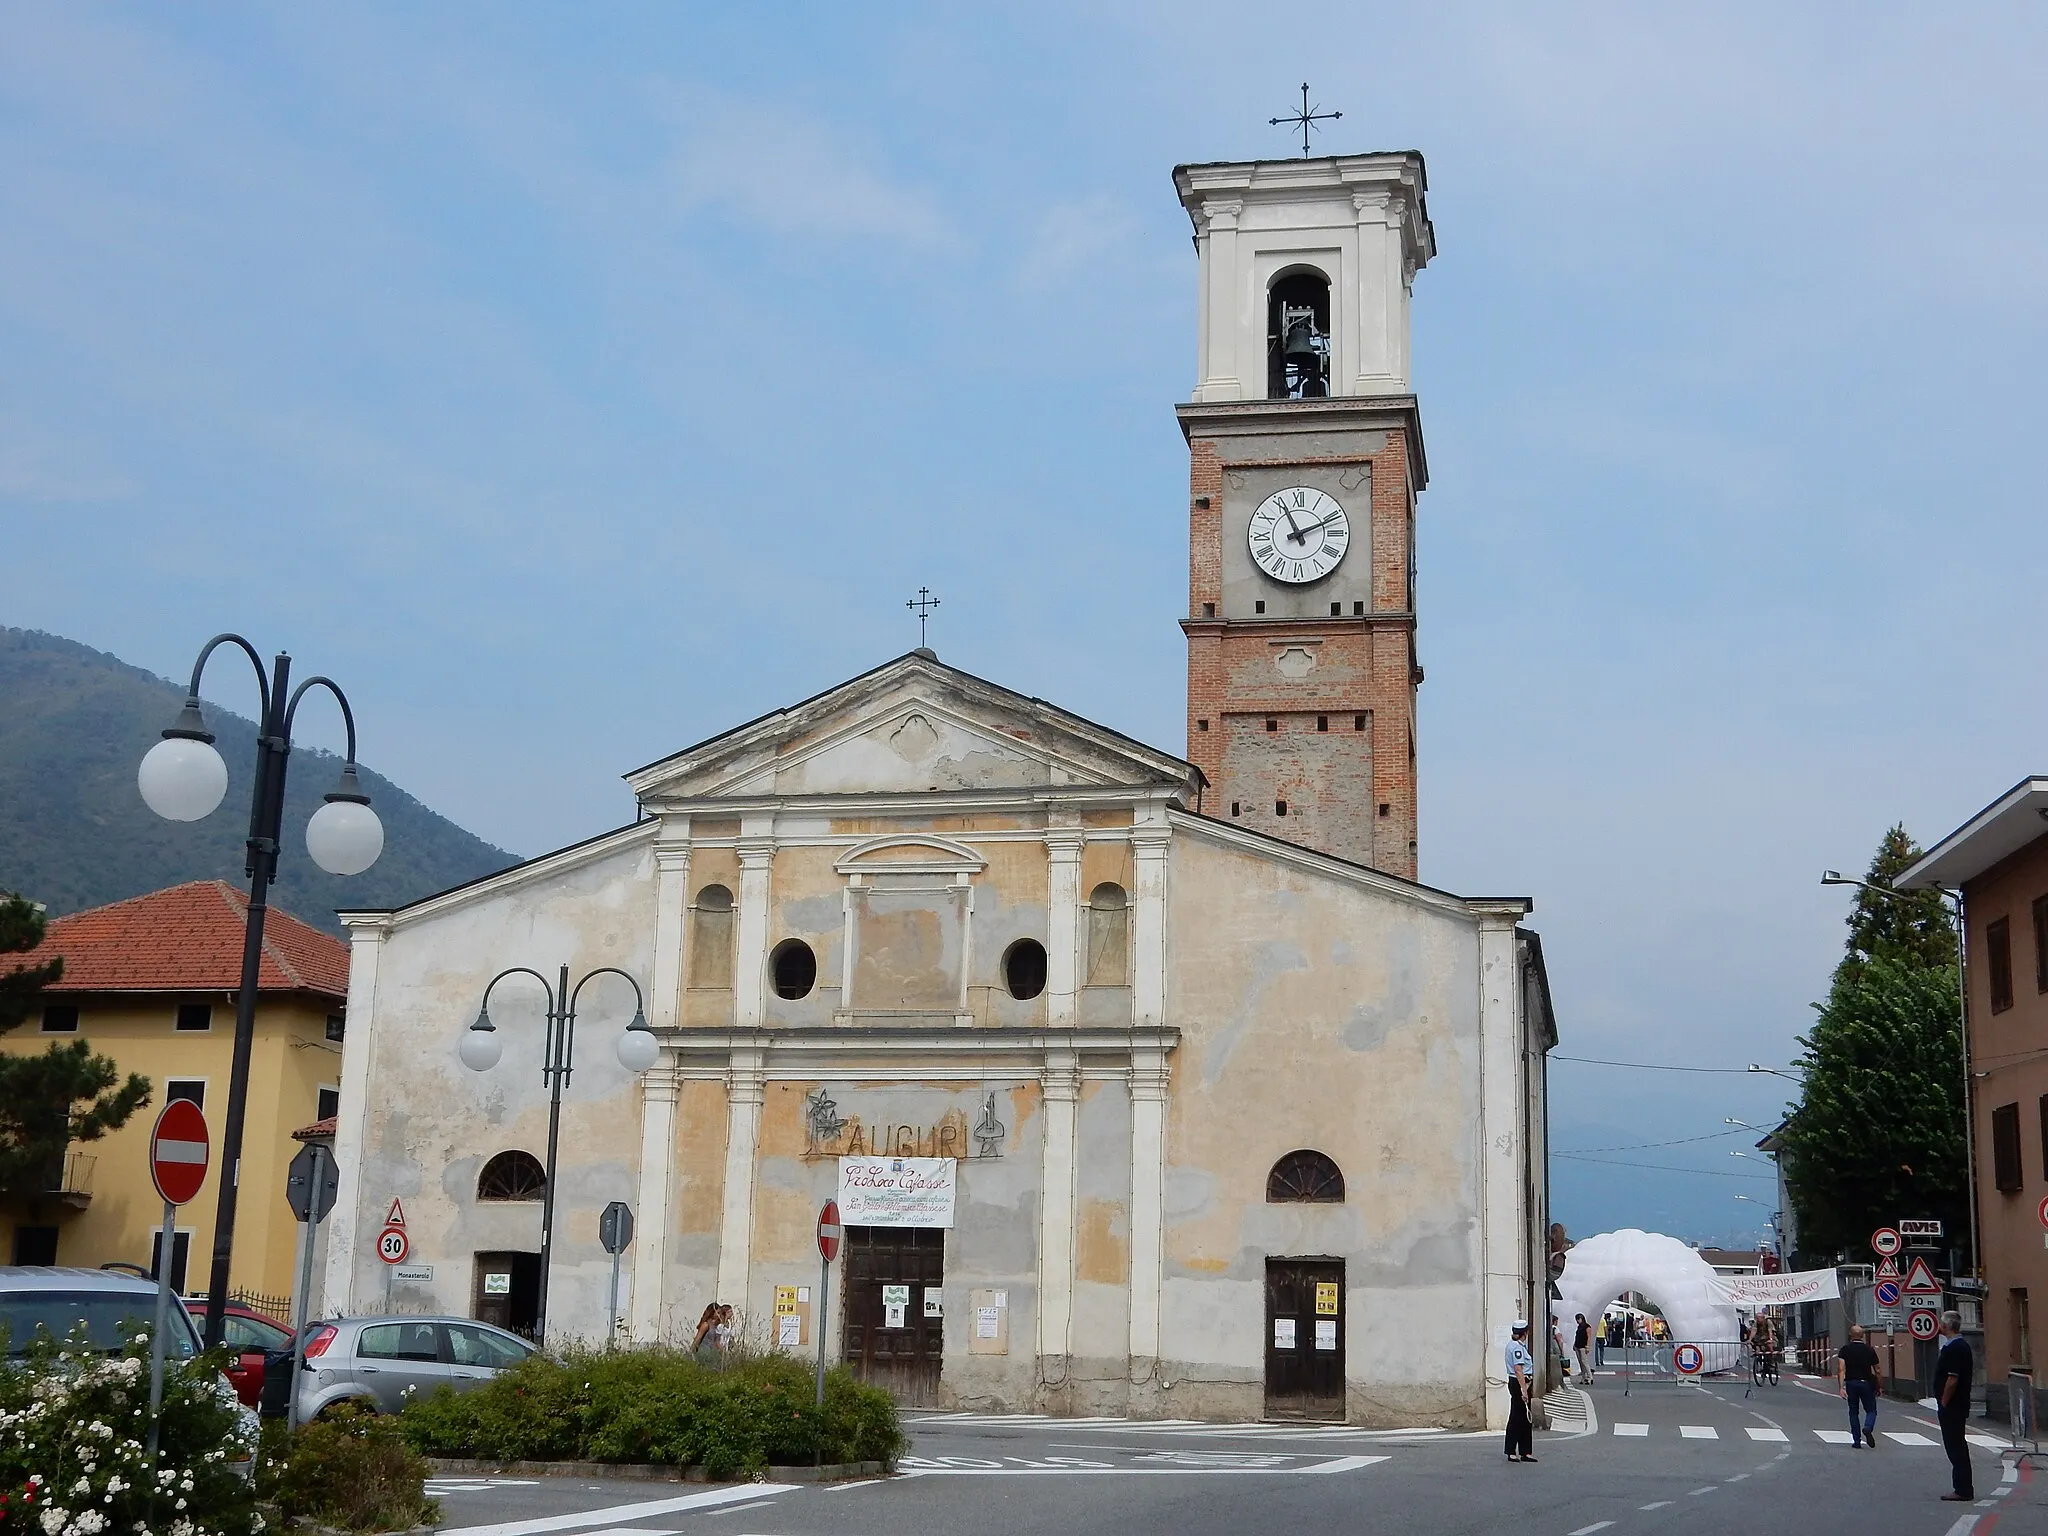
(1521,1381)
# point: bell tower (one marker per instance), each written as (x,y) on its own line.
(1305,459)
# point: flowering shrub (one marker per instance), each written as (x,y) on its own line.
(350,1469)
(74,1424)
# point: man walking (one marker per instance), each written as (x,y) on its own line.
(1858,1376)
(1521,1379)
(1582,1340)
(1955,1371)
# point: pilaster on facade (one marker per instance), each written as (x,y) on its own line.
(671,927)
(1063,847)
(346,1239)
(1148,1083)
(746,1088)
(750,951)
(1151,841)
(1060,1084)
(659,1089)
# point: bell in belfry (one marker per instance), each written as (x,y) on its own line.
(1303,350)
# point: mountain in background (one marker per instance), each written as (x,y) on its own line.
(74,833)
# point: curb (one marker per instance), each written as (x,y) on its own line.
(831,1472)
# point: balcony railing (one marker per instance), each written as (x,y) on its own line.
(71,1179)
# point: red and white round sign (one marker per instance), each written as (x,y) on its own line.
(829,1231)
(393,1245)
(1885,1241)
(2044,1211)
(178,1151)
(1688,1359)
(1922,1325)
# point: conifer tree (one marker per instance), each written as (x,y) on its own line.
(1878,1132)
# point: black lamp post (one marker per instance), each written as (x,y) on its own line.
(183,778)
(638,1049)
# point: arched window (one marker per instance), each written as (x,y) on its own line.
(1024,968)
(1298,337)
(1305,1177)
(711,919)
(512,1176)
(794,968)
(1109,936)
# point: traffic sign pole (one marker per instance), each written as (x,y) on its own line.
(829,1234)
(163,1321)
(179,1150)
(316,1189)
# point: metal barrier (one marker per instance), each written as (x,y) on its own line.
(1679,1360)
(2019,1394)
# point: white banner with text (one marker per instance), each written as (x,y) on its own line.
(897,1191)
(1780,1290)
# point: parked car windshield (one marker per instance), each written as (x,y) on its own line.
(110,1318)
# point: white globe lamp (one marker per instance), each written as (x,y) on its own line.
(638,1047)
(182,778)
(481,1047)
(345,837)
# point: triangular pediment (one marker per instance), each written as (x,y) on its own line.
(914,726)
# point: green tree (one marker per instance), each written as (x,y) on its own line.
(1878,1132)
(64,1095)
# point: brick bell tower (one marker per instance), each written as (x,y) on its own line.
(1305,458)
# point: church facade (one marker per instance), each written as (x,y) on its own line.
(1135,1100)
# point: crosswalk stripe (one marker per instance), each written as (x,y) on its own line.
(1835,1436)
(1698,1432)
(1988,1442)
(1757,1433)
(1631,1429)
(1907,1437)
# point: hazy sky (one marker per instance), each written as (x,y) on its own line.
(575,381)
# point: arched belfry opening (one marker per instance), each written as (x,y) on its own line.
(1298,337)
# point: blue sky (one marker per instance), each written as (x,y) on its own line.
(572,382)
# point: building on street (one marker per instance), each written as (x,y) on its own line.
(1148,1083)
(151,983)
(1998,862)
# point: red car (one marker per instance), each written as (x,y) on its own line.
(249,1334)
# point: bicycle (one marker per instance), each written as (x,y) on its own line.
(1763,1367)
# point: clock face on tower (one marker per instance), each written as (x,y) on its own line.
(1299,534)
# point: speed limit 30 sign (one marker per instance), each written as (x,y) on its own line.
(392,1245)
(1922,1325)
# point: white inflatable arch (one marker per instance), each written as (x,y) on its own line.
(1681,1283)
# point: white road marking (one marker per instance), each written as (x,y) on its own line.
(911,1469)
(1988,1442)
(1660,1504)
(1907,1437)
(591,1518)
(1738,1477)
(1588,1530)
(1698,1432)
(865,1482)
(1756,1433)
(1632,1429)
(1963,1526)
(1698,1491)
(1835,1436)
(2012,1473)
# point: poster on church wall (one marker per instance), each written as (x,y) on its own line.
(897,1191)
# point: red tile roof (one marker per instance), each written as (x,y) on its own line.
(188,938)
(319,1130)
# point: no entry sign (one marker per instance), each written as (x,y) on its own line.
(829,1231)
(178,1151)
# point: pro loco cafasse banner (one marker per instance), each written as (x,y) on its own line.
(897,1191)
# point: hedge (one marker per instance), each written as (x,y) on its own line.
(658,1405)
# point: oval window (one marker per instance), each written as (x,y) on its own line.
(1024,968)
(794,968)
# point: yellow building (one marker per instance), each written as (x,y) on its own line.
(151,982)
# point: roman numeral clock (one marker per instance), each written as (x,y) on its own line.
(1299,534)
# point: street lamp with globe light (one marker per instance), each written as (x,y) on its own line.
(481,1049)
(182,778)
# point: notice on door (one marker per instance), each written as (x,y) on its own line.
(897,1191)
(1283,1333)
(1326,1299)
(895,1302)
(1326,1333)
(497,1285)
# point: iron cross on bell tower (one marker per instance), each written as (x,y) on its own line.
(1306,118)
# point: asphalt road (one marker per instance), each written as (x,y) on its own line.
(1660,1457)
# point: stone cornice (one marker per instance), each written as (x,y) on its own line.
(1221,420)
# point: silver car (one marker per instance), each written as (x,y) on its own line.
(384,1362)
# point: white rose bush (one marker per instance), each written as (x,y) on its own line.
(74,1428)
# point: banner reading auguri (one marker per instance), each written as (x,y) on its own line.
(897,1191)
